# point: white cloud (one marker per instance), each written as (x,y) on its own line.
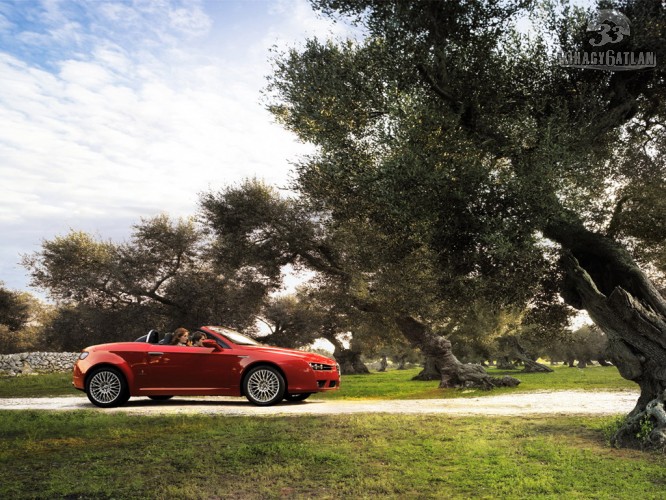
(192,22)
(119,12)
(130,119)
(300,21)
(5,24)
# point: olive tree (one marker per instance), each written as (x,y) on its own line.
(450,128)
(165,276)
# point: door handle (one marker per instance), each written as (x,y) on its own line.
(154,353)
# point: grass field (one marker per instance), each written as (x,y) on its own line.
(93,454)
(395,384)
(96,455)
(398,384)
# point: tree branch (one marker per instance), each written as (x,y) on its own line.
(614,224)
(447,96)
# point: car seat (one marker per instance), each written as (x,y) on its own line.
(167,339)
(151,337)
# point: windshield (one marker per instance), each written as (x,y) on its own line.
(235,337)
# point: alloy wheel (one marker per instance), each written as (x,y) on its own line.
(105,387)
(264,386)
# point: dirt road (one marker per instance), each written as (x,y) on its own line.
(558,402)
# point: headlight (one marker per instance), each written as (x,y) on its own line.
(320,367)
(337,367)
(83,355)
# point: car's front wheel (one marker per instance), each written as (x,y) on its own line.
(106,387)
(264,386)
(293,398)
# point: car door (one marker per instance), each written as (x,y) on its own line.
(186,370)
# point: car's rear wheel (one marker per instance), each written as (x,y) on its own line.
(264,386)
(297,397)
(106,387)
(160,397)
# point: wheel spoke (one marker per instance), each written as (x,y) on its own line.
(105,387)
(263,385)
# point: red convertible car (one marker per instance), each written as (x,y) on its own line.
(229,364)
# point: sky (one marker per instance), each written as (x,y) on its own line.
(111,111)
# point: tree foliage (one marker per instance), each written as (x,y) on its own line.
(21,318)
(14,309)
(163,277)
(451,130)
(586,344)
(292,322)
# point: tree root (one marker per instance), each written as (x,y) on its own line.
(645,429)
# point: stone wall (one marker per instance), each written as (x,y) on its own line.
(26,363)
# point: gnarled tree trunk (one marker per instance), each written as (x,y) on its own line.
(437,349)
(603,279)
(531,366)
(430,369)
(349,359)
(511,343)
(505,363)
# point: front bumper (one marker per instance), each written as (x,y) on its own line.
(77,379)
(310,380)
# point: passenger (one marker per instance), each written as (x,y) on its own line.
(180,337)
(198,338)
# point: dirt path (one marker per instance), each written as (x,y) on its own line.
(558,402)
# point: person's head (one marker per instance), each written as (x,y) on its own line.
(198,338)
(180,336)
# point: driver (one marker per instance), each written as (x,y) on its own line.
(198,338)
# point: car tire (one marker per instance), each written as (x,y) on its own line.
(264,386)
(160,397)
(106,387)
(293,398)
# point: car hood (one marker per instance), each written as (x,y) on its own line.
(310,357)
(113,346)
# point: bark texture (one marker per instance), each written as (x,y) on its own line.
(517,351)
(430,370)
(349,359)
(440,358)
(531,366)
(505,363)
(603,279)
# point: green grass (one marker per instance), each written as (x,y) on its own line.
(110,455)
(42,385)
(86,454)
(398,384)
(395,384)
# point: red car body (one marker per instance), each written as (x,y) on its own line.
(221,368)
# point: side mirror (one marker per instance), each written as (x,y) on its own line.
(211,343)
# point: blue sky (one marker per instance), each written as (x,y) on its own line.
(115,110)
